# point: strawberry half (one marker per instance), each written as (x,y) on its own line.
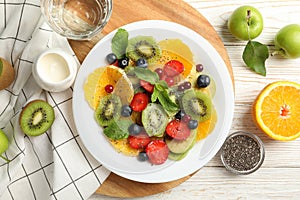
(139,102)
(157,152)
(178,129)
(147,86)
(173,68)
(139,141)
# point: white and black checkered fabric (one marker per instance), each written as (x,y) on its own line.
(54,165)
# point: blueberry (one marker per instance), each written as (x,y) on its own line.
(123,62)
(111,58)
(141,62)
(180,115)
(126,111)
(203,81)
(193,124)
(134,129)
(142,156)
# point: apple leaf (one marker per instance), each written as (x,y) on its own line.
(255,54)
(1,67)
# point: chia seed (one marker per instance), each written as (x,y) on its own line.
(242,153)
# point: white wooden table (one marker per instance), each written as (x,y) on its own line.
(279,176)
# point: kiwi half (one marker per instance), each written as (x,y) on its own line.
(143,47)
(108,110)
(197,104)
(7,74)
(36,117)
(154,119)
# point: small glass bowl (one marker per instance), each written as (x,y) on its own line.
(229,140)
(77,19)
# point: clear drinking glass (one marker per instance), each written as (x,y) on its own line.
(77,19)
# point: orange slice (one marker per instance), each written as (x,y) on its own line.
(122,146)
(175,49)
(94,87)
(91,85)
(276,110)
(207,126)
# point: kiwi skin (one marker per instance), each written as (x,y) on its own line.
(36,117)
(8,74)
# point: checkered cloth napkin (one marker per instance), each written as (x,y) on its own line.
(54,165)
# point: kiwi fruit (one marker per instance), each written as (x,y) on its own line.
(36,117)
(143,47)
(197,104)
(7,74)
(108,110)
(154,119)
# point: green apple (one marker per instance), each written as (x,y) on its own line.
(245,23)
(4,143)
(287,41)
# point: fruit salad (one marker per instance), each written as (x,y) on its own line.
(152,100)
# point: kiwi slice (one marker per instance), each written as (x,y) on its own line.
(181,146)
(154,119)
(108,110)
(197,104)
(143,47)
(36,117)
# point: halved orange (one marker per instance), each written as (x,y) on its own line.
(276,111)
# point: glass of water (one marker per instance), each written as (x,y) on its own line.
(77,19)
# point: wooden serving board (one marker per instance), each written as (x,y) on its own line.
(127,11)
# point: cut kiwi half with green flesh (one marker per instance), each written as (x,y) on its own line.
(154,120)
(108,110)
(197,104)
(36,117)
(143,47)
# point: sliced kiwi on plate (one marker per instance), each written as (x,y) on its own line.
(36,117)
(154,119)
(143,47)
(197,104)
(108,110)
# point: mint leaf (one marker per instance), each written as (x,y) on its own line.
(1,67)
(255,54)
(146,75)
(117,130)
(119,43)
(161,94)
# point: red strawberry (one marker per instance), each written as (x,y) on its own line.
(173,68)
(139,102)
(139,141)
(147,86)
(157,152)
(178,129)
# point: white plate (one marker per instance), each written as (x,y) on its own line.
(129,167)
